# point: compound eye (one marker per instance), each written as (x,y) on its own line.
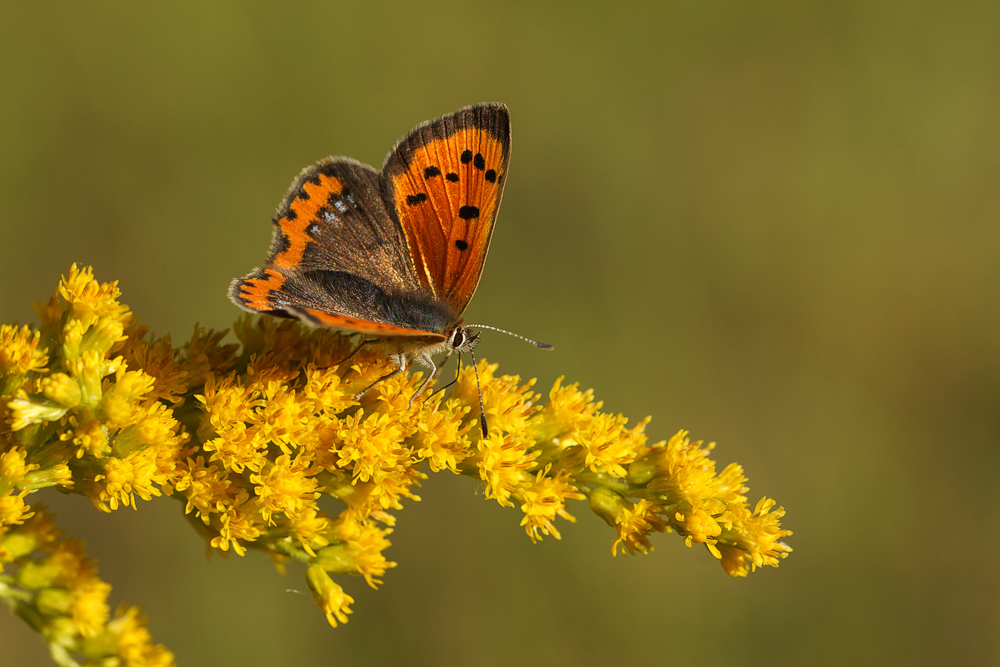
(458,338)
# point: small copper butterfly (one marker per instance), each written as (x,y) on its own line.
(393,254)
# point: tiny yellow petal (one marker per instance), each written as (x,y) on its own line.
(330,597)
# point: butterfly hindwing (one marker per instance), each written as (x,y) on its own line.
(339,259)
(333,218)
(444,182)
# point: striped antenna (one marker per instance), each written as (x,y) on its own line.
(482,408)
(542,346)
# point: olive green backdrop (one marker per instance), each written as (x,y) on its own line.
(776,226)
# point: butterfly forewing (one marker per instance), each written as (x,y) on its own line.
(445,181)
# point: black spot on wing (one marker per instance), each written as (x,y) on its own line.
(466,156)
(431,172)
(413,200)
(468,212)
(461,245)
(479,162)
(453,177)
(490,176)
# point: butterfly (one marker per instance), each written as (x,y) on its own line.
(395,254)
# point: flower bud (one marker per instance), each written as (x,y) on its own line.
(607,504)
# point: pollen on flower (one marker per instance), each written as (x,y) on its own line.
(123,479)
(20,353)
(688,476)
(237,447)
(323,391)
(13,509)
(504,464)
(361,550)
(507,403)
(88,300)
(204,355)
(13,467)
(700,526)
(566,408)
(90,437)
(609,446)
(634,526)
(310,527)
(370,445)
(756,532)
(545,499)
(204,485)
(287,486)
(159,361)
(236,525)
(442,435)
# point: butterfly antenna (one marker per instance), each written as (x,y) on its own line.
(479,387)
(453,380)
(543,346)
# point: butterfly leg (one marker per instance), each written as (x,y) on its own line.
(458,370)
(400,367)
(428,361)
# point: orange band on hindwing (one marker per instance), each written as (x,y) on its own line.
(257,290)
(290,248)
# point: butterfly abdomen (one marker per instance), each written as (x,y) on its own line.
(355,296)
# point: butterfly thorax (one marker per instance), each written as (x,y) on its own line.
(458,339)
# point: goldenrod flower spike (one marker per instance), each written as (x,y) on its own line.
(250,437)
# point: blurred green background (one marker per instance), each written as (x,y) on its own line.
(776,226)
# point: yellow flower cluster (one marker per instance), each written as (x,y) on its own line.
(250,438)
(54,587)
(76,415)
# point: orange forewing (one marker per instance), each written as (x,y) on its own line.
(447,201)
(302,213)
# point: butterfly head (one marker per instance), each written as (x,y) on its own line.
(461,340)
